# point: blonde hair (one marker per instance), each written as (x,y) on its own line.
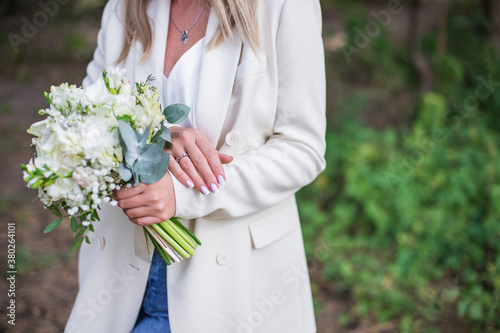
(241,14)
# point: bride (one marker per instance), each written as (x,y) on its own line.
(252,72)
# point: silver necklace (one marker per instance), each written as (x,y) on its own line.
(184,33)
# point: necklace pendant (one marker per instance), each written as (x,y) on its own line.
(184,37)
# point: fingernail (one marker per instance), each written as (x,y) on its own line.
(204,190)
(214,188)
(189,183)
(221,180)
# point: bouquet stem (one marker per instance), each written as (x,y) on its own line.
(172,240)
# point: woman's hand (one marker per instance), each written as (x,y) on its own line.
(202,166)
(147,204)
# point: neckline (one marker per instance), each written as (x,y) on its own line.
(188,51)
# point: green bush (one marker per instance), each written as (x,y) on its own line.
(409,222)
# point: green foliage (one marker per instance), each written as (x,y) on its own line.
(406,220)
(395,215)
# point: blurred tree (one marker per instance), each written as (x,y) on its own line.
(9,7)
(420,63)
(491,10)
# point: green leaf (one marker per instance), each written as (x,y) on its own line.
(79,234)
(73,224)
(87,240)
(37,183)
(152,164)
(95,215)
(476,311)
(91,227)
(143,142)
(124,171)
(55,211)
(166,135)
(130,142)
(176,113)
(54,224)
(76,245)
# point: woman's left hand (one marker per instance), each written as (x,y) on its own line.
(148,204)
(200,164)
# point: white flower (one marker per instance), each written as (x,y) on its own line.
(62,188)
(125,87)
(124,105)
(99,142)
(66,97)
(97,93)
(37,128)
(59,148)
(149,112)
(84,176)
(116,76)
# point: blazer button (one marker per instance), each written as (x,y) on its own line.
(102,242)
(223,258)
(232,138)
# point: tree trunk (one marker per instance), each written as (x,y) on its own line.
(494,16)
(420,63)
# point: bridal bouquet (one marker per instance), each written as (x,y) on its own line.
(99,139)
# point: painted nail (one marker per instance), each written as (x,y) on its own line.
(204,190)
(214,188)
(221,180)
(189,183)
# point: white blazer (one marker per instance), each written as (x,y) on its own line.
(267,109)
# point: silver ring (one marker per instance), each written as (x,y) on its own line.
(181,156)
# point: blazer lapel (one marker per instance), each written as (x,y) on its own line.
(218,70)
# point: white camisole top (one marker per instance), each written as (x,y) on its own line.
(181,85)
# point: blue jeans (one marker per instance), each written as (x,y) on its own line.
(153,316)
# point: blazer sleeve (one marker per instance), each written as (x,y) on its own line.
(294,154)
(108,47)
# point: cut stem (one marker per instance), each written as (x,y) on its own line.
(171,241)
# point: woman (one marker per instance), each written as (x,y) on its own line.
(253,72)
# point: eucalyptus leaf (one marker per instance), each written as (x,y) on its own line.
(152,164)
(167,136)
(125,172)
(135,180)
(144,139)
(159,133)
(160,142)
(130,142)
(176,113)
